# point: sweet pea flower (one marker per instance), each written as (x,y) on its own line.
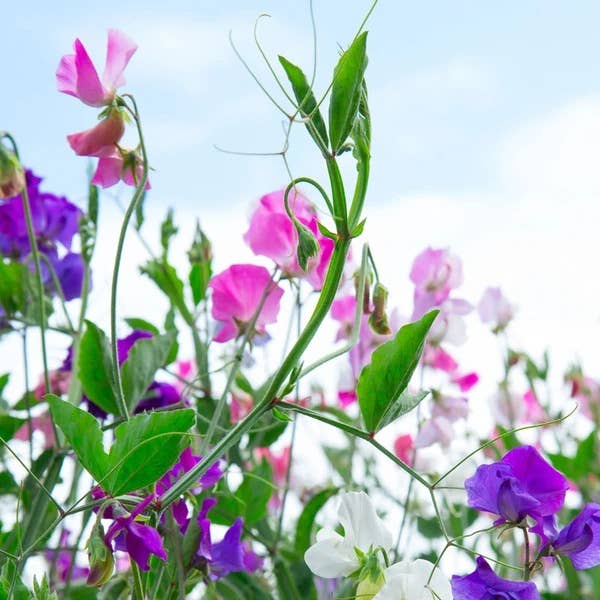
(416,580)
(272,234)
(437,358)
(237,294)
(333,555)
(449,325)
(495,309)
(343,311)
(483,584)
(521,484)
(452,408)
(403,448)
(465,382)
(435,272)
(77,76)
(437,430)
(119,165)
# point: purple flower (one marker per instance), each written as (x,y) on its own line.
(69,271)
(521,484)
(62,560)
(484,584)
(137,539)
(227,556)
(580,539)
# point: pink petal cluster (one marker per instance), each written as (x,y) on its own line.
(272,234)
(494,308)
(237,294)
(403,448)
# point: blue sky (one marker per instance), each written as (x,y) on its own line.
(486,132)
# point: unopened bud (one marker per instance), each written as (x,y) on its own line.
(307,245)
(12,176)
(378,319)
(101,559)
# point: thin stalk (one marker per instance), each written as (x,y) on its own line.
(27,402)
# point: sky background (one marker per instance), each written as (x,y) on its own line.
(486,139)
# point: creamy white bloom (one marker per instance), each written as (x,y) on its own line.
(409,581)
(333,555)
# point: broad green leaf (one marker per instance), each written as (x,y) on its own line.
(346,91)
(306,101)
(8,485)
(13,290)
(95,369)
(582,464)
(145,447)
(306,521)
(285,582)
(83,434)
(142,324)
(9,426)
(255,491)
(382,382)
(4,381)
(403,405)
(146,356)
(165,277)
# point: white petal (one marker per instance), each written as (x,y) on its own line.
(408,581)
(329,556)
(362,526)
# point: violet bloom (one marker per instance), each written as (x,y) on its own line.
(484,584)
(435,272)
(580,539)
(522,484)
(237,294)
(272,234)
(77,76)
(224,557)
(135,538)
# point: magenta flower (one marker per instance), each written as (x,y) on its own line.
(465,382)
(484,584)
(521,484)
(343,311)
(135,538)
(403,448)
(437,358)
(272,234)
(495,309)
(435,272)
(237,294)
(77,76)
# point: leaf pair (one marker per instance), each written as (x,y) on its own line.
(145,447)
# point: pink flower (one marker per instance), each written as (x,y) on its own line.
(437,430)
(43,424)
(494,308)
(343,310)
(452,408)
(272,234)
(101,139)
(449,325)
(77,76)
(119,165)
(346,397)
(435,273)
(403,448)
(240,405)
(465,382)
(237,294)
(534,413)
(437,358)
(279,463)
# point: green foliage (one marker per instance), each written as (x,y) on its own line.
(13,287)
(583,463)
(306,521)
(382,382)
(200,257)
(346,91)
(9,426)
(95,369)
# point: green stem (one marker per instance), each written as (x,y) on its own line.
(363,435)
(137,196)
(138,585)
(340,209)
(334,275)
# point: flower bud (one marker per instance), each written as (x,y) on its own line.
(367,588)
(378,319)
(101,559)
(12,176)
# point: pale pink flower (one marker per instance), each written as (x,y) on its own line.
(465,382)
(449,325)
(43,424)
(77,76)
(452,408)
(343,310)
(100,140)
(508,408)
(587,393)
(494,308)
(240,405)
(271,233)
(403,448)
(237,294)
(534,413)
(119,165)
(437,358)
(437,430)
(435,272)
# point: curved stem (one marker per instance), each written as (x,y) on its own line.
(137,196)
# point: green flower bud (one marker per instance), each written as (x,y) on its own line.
(101,559)
(12,176)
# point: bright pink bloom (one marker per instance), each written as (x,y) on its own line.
(346,397)
(343,310)
(272,234)
(437,358)
(115,167)
(101,139)
(494,308)
(237,294)
(403,448)
(465,382)
(77,76)
(435,273)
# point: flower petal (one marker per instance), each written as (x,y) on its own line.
(329,556)
(88,86)
(120,48)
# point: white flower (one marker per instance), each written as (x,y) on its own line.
(409,581)
(333,555)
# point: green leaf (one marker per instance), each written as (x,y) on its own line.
(285,582)
(9,426)
(403,405)
(95,369)
(358,229)
(255,491)
(582,464)
(83,434)
(280,415)
(142,324)
(165,277)
(200,257)
(12,287)
(8,485)
(346,91)
(306,101)
(146,356)
(326,232)
(382,382)
(306,521)
(341,461)
(167,230)
(145,447)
